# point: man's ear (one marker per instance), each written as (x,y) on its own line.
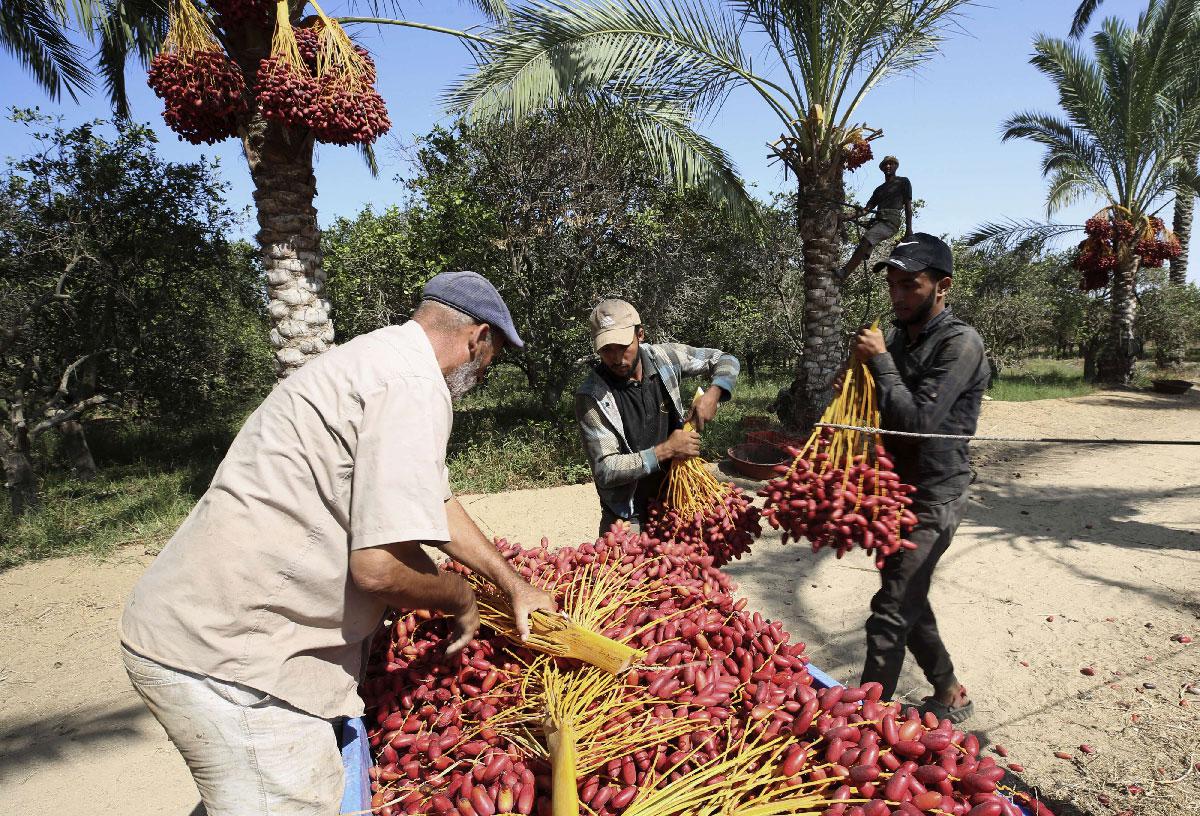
(943,286)
(480,335)
(641,335)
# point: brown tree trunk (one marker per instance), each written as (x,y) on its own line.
(1115,366)
(75,446)
(19,477)
(281,164)
(1185,208)
(824,346)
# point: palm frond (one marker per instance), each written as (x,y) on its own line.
(1013,231)
(495,9)
(1131,117)
(662,52)
(367,152)
(1070,184)
(1083,16)
(690,159)
(129,28)
(37,38)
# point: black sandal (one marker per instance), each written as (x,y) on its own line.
(954,714)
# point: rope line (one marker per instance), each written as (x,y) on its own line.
(1027,439)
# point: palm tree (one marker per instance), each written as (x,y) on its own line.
(1185,199)
(670,63)
(1128,138)
(279,157)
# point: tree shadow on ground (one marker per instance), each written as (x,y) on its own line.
(26,741)
(1145,399)
(52,739)
(1054,524)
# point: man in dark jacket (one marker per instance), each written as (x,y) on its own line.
(930,374)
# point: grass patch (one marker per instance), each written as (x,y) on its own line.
(150,476)
(126,504)
(1040,379)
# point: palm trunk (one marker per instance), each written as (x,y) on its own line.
(1115,366)
(1185,207)
(281,164)
(19,477)
(823,344)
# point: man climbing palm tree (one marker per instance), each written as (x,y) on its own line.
(888,200)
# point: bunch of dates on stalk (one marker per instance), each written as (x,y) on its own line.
(853,746)
(349,112)
(339,108)
(232,13)
(707,659)
(430,737)
(204,92)
(726,530)
(867,507)
(856,154)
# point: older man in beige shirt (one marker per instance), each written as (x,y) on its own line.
(247,635)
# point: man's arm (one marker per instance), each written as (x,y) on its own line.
(908,210)
(872,202)
(404,576)
(920,410)
(470,547)
(720,368)
(612,468)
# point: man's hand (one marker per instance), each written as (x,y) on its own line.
(466,624)
(705,408)
(680,444)
(526,599)
(839,380)
(867,344)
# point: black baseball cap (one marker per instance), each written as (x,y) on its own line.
(918,252)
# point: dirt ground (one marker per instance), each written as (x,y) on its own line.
(1070,558)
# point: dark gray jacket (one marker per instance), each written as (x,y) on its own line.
(932,385)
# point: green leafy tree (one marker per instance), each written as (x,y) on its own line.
(121,291)
(1169,318)
(373,280)
(1128,138)
(668,63)
(1022,300)
(548,212)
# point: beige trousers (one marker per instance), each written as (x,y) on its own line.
(250,754)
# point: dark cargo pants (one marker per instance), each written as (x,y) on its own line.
(900,612)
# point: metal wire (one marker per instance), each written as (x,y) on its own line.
(1026,439)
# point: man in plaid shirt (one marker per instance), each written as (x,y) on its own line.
(630,411)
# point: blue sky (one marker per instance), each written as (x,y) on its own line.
(943,122)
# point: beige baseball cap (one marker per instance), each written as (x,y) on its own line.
(613,321)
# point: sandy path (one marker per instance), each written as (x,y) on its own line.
(1078,534)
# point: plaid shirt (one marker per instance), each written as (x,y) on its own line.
(616,467)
